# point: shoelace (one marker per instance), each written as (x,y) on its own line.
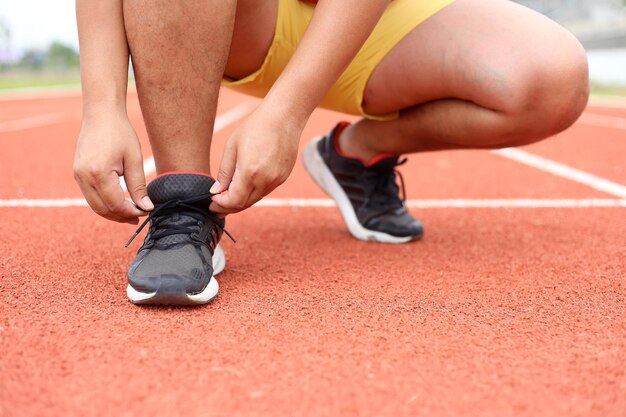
(384,191)
(171,206)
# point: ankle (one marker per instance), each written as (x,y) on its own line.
(354,144)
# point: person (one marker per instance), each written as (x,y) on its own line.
(425,75)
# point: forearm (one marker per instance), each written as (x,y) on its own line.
(103,55)
(335,34)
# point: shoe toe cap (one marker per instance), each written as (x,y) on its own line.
(398,225)
(192,283)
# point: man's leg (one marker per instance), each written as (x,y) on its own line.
(179,50)
(479,74)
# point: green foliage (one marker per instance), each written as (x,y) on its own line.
(33,60)
(62,57)
(5,33)
(608,89)
(21,80)
(58,57)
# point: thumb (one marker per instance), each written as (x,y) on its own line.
(226,171)
(136,184)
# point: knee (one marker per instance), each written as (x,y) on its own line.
(549,93)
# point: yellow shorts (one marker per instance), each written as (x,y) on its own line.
(346,95)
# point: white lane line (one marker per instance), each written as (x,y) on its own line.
(31,122)
(563,171)
(460,203)
(600,120)
(222,121)
(327,203)
(44,203)
(518,203)
(230,116)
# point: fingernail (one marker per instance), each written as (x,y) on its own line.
(216,188)
(147,204)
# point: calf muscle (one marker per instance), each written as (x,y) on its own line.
(179,51)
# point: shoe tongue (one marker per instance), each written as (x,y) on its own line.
(384,163)
(178,187)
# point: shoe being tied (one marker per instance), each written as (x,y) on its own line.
(178,261)
(367,194)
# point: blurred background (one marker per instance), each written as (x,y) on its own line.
(39,46)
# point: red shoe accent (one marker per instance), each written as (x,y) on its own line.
(339,130)
(379,158)
(183,173)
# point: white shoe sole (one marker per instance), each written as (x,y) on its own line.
(219,260)
(319,171)
(210,292)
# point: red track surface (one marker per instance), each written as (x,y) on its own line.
(497,312)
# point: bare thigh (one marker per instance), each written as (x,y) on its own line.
(255,22)
(490,52)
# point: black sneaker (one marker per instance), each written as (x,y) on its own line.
(180,256)
(367,194)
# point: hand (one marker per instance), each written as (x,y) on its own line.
(107,149)
(257,158)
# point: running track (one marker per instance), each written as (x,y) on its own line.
(514,304)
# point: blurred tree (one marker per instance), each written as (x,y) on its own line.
(58,57)
(33,59)
(5,34)
(61,57)
(5,44)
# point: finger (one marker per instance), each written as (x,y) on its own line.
(227,169)
(112,195)
(234,199)
(117,219)
(136,183)
(256,196)
(99,207)
(95,200)
(222,211)
(260,193)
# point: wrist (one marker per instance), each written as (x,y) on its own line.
(291,107)
(103,110)
(103,97)
(283,116)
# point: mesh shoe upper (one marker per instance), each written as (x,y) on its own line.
(176,254)
(371,189)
